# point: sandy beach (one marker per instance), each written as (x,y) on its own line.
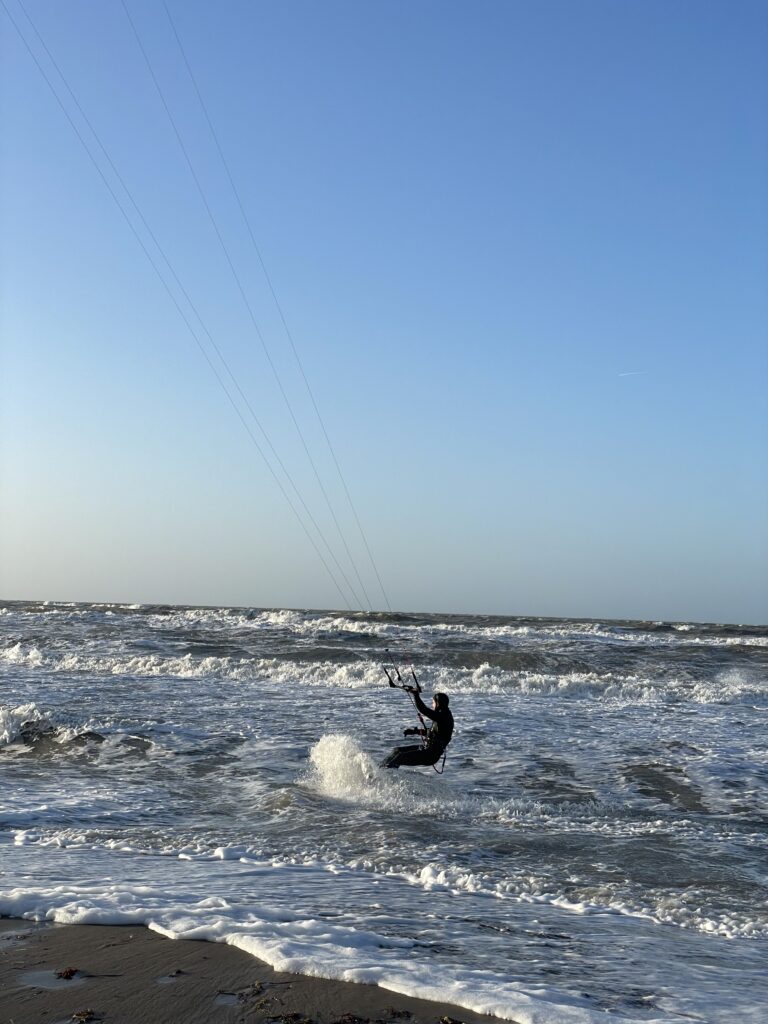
(131,975)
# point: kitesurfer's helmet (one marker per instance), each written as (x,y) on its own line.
(441,699)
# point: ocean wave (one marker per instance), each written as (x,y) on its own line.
(406,632)
(410,635)
(21,654)
(27,724)
(685,910)
(12,720)
(727,687)
(690,909)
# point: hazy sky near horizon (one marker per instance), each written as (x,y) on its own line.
(522,249)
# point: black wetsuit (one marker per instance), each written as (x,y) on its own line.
(438,738)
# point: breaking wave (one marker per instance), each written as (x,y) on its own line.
(727,687)
(408,630)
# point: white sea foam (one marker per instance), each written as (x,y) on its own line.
(733,686)
(292,942)
(317,625)
(11,720)
(19,654)
(409,635)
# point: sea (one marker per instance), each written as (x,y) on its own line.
(595,849)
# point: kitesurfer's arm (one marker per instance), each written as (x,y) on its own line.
(421,705)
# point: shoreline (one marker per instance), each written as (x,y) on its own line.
(128,974)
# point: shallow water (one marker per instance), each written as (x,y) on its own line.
(596,846)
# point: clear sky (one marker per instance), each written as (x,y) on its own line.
(522,248)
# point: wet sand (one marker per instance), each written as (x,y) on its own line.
(130,975)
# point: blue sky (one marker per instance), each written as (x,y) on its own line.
(522,250)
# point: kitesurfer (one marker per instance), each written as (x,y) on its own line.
(436,738)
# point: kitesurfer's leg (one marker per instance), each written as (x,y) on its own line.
(392,760)
(410,757)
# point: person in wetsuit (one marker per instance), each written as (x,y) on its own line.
(437,737)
